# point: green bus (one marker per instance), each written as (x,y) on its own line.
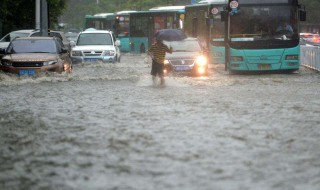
(117,22)
(253,38)
(203,21)
(101,21)
(144,25)
(264,35)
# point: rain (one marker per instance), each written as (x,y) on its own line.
(106,126)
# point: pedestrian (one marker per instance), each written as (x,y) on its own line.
(157,52)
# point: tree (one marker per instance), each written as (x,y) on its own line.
(20,14)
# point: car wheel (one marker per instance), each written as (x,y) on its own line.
(118,59)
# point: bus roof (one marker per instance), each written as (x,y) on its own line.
(249,2)
(167,8)
(246,2)
(101,15)
(125,12)
(213,2)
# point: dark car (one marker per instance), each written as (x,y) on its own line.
(4,42)
(187,57)
(32,55)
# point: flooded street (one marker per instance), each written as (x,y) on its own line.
(105,126)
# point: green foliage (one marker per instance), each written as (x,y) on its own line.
(20,14)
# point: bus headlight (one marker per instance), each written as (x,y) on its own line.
(166,62)
(236,58)
(201,60)
(292,57)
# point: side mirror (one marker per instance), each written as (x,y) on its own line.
(118,43)
(2,51)
(303,15)
(72,43)
(64,50)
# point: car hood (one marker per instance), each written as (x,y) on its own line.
(182,55)
(93,48)
(32,57)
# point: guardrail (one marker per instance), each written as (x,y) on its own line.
(310,56)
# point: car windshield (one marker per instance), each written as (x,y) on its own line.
(33,46)
(184,46)
(94,39)
(13,35)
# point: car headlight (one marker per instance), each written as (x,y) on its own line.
(76,53)
(6,63)
(166,61)
(109,53)
(46,63)
(201,60)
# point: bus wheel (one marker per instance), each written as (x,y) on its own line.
(142,49)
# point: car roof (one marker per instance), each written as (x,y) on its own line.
(96,31)
(36,38)
(24,31)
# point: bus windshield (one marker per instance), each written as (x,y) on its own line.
(122,28)
(262,26)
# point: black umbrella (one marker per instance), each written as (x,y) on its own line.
(170,35)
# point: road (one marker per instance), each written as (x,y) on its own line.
(106,127)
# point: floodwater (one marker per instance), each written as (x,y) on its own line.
(106,127)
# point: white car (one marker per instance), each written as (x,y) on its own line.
(95,45)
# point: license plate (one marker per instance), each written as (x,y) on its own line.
(91,60)
(29,72)
(264,66)
(182,68)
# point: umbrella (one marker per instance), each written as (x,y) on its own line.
(170,35)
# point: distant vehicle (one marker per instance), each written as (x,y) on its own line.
(145,24)
(117,22)
(32,55)
(209,29)
(4,42)
(187,57)
(71,36)
(95,45)
(309,38)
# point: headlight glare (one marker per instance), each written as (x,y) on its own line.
(166,62)
(201,60)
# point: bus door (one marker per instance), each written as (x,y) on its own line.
(195,27)
(150,31)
